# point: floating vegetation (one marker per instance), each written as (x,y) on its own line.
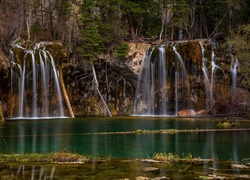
(174,131)
(139,131)
(227,124)
(174,158)
(224,124)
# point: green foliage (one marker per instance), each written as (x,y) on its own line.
(37,28)
(245,14)
(214,11)
(133,6)
(112,28)
(121,50)
(181,11)
(64,8)
(92,44)
(240,40)
(146,16)
(91,41)
(224,124)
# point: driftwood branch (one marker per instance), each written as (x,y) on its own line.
(65,93)
(97,89)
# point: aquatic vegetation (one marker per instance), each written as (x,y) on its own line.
(174,158)
(46,157)
(227,124)
(139,131)
(169,157)
(224,124)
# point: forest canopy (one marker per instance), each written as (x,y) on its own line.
(89,27)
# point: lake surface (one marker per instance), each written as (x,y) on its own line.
(92,136)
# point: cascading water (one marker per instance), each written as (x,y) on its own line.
(209,84)
(152,76)
(34,83)
(205,76)
(233,70)
(214,69)
(180,70)
(154,92)
(179,76)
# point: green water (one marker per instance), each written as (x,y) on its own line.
(80,135)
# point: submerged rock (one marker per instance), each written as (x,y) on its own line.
(239,166)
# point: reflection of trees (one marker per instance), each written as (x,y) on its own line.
(38,137)
(31,172)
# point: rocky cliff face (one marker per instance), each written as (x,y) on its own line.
(117,83)
(5,82)
(118,78)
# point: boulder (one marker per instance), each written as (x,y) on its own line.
(187,112)
(201,112)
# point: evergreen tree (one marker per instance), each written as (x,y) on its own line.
(63,8)
(181,12)
(216,11)
(91,42)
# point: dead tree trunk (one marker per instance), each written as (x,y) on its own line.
(131,27)
(97,89)
(65,94)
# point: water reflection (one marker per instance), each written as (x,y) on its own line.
(125,170)
(32,172)
(84,137)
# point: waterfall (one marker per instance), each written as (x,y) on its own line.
(34,83)
(151,92)
(154,95)
(183,75)
(205,76)
(233,70)
(214,69)
(180,69)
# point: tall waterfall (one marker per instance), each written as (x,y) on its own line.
(178,76)
(205,76)
(152,76)
(156,93)
(34,83)
(209,83)
(233,70)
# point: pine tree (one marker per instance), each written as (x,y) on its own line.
(180,14)
(63,8)
(91,42)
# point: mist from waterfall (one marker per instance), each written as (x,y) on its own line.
(34,83)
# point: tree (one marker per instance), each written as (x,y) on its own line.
(63,8)
(180,15)
(132,9)
(91,43)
